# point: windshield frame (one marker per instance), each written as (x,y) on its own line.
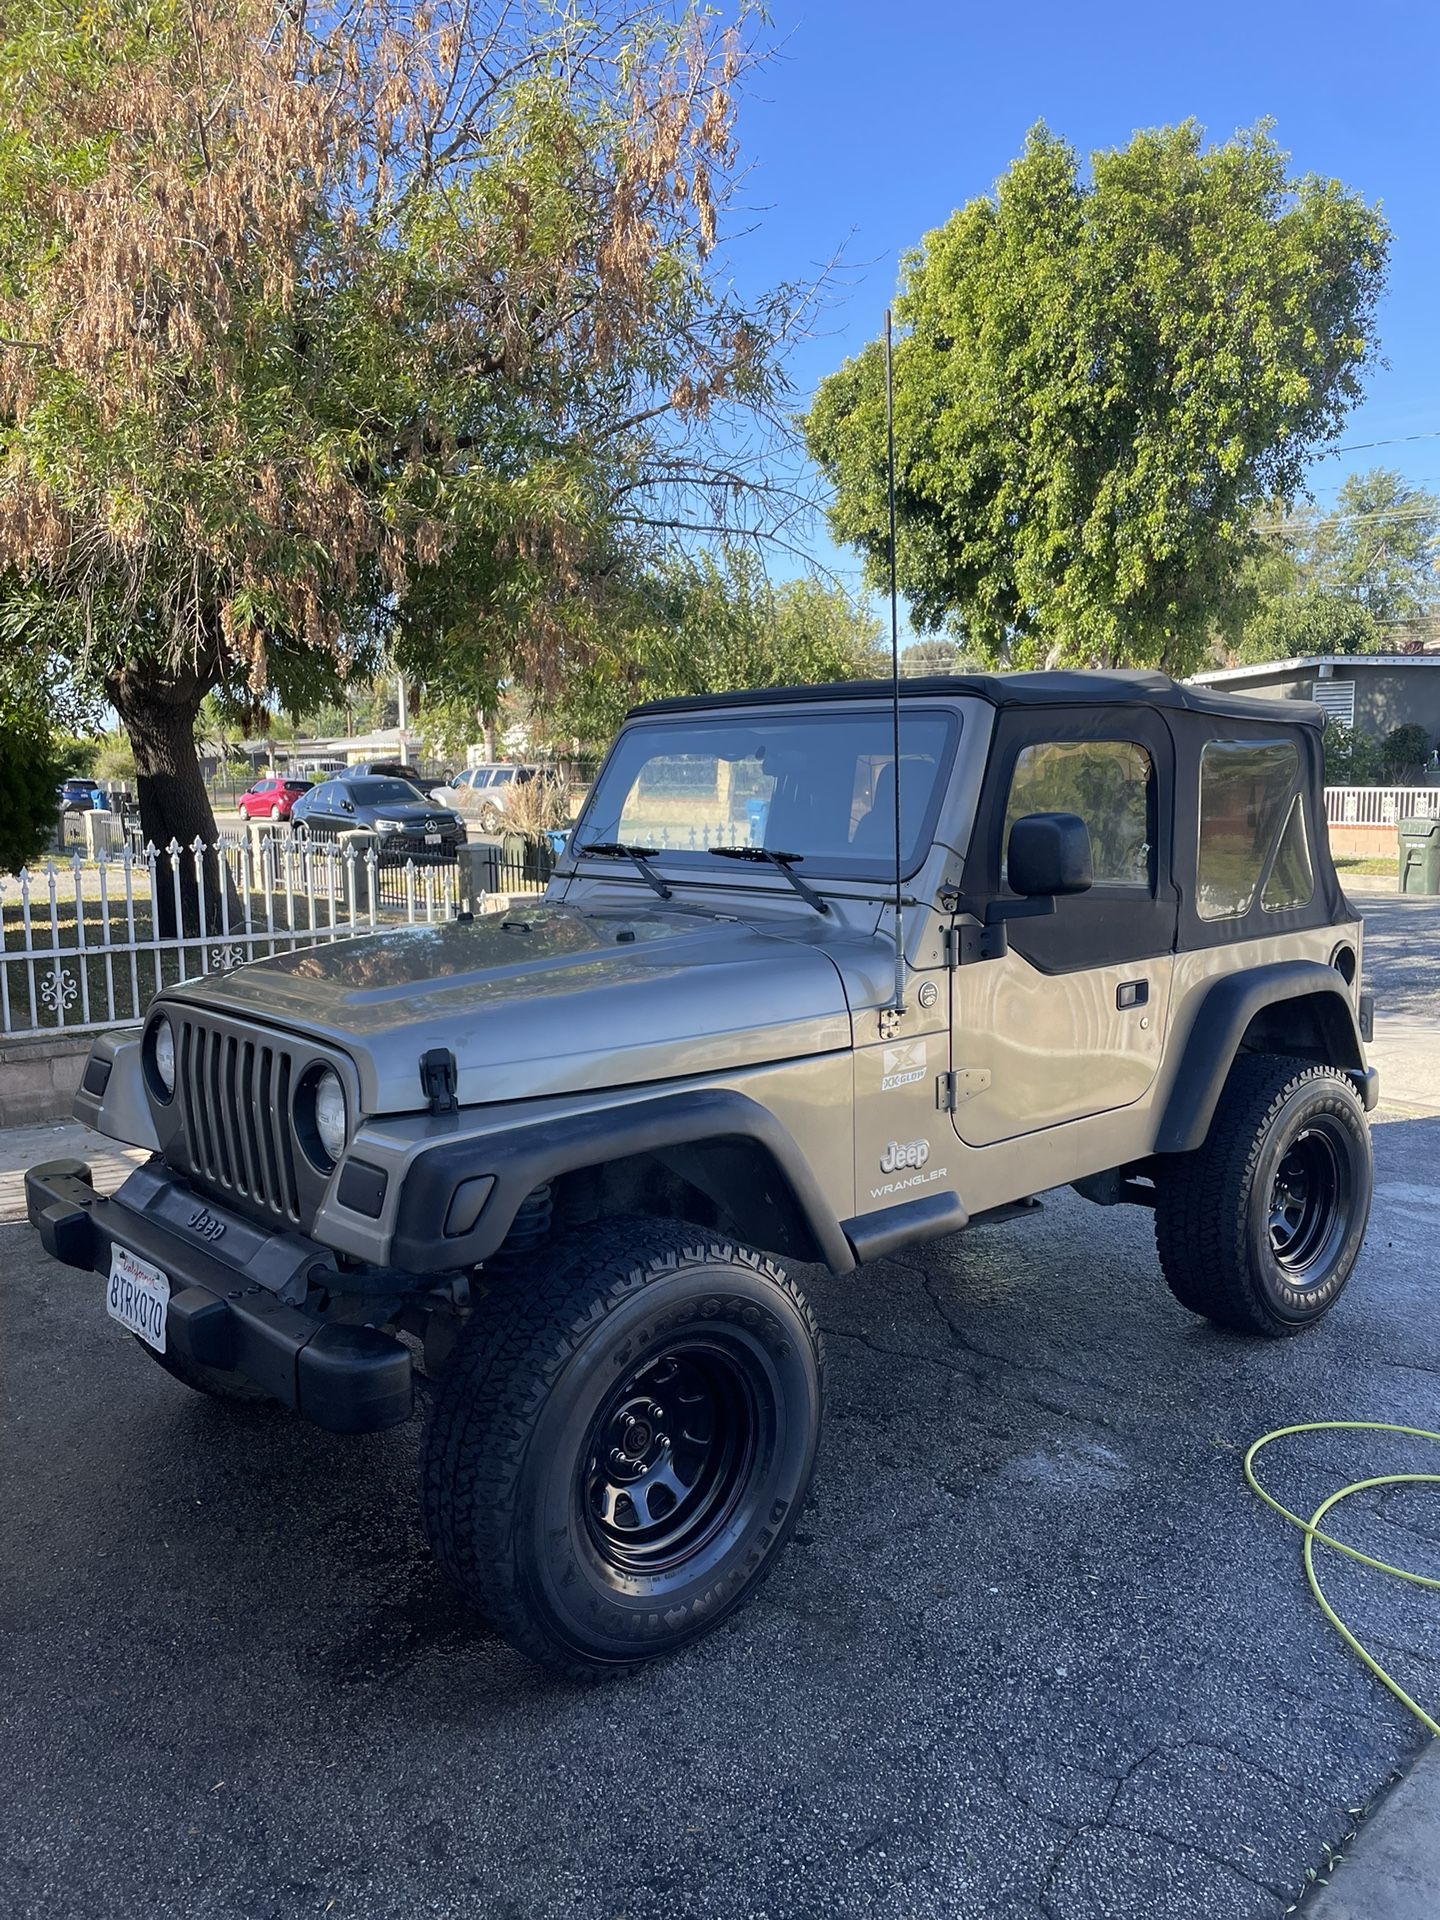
(692,865)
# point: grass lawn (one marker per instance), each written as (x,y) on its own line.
(1365,865)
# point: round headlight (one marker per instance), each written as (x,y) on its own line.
(330,1121)
(162,1052)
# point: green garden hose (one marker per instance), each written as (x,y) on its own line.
(1312,1532)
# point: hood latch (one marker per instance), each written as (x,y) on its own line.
(440,1080)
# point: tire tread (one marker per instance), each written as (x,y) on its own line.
(505,1363)
(1200,1223)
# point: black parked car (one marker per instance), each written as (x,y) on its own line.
(406,825)
(396,769)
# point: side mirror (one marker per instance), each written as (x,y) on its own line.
(348,805)
(1048,855)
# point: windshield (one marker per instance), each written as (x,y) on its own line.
(818,785)
(384,793)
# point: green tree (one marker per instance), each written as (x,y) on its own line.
(1310,621)
(1404,753)
(30,770)
(929,656)
(387,332)
(1097,385)
(715,622)
(1380,548)
(1350,580)
(1352,758)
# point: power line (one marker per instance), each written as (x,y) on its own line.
(1367,446)
(1346,519)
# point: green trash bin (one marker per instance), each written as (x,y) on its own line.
(1419,855)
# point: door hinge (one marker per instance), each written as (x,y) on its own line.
(963,1084)
(966,943)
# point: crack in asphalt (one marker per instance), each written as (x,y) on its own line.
(1009,1392)
(1108,1822)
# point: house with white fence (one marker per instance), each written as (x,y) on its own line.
(1373,693)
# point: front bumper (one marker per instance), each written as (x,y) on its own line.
(226,1307)
(395,849)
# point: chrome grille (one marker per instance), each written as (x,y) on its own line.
(234,1093)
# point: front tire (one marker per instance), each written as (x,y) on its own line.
(1259,1230)
(622,1442)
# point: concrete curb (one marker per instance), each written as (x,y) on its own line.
(39,1076)
(1392,1868)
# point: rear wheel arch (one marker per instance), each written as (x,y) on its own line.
(1299,1008)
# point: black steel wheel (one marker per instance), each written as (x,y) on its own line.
(1311,1201)
(671,1454)
(1260,1229)
(622,1441)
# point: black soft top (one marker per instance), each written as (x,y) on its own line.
(1021,690)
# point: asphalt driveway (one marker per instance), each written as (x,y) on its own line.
(1035,1651)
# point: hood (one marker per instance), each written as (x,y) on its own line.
(416,810)
(547,999)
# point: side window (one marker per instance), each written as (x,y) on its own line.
(1292,878)
(1109,784)
(1247,798)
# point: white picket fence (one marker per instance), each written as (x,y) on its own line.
(1380,806)
(85,946)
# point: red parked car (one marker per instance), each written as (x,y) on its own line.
(271,799)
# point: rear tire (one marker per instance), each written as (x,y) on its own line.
(622,1442)
(216,1384)
(1260,1228)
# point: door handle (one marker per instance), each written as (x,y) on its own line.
(1132,993)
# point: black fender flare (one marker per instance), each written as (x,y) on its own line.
(1228,1010)
(500,1169)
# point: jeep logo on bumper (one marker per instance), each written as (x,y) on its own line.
(203,1222)
(914,1154)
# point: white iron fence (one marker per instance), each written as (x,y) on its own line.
(86,944)
(1380,806)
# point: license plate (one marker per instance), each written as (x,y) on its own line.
(138,1296)
(432,839)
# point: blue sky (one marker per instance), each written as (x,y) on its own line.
(873,123)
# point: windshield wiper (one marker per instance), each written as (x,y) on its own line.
(782,861)
(613,850)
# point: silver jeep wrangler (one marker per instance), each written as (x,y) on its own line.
(555,1148)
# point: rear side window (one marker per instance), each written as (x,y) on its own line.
(1108,784)
(1292,878)
(1248,799)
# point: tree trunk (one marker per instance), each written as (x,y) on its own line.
(158,711)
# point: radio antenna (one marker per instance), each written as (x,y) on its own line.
(898,1005)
